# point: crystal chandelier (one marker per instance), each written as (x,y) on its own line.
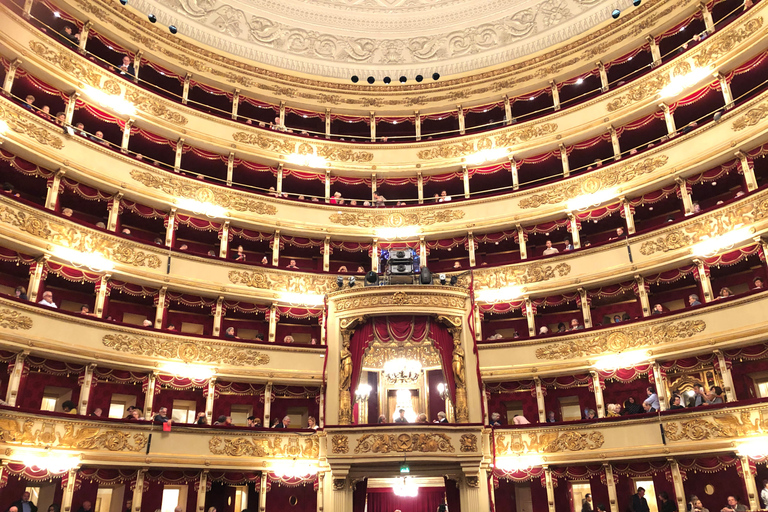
(402,370)
(406,489)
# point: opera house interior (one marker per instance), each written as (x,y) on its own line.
(383,255)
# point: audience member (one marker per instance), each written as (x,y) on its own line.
(126,67)
(70,36)
(658,309)
(85,310)
(586,506)
(87,506)
(230,333)
(696,506)
(285,423)
(239,255)
(48,299)
(575,325)
(561,327)
(223,421)
(171,327)
(757,283)
(24,504)
(69,407)
(311,423)
(543,330)
(568,244)
(676,403)
(444,197)
(495,420)
(611,411)
(202,418)
(716,396)
(619,234)
(724,293)
(764,494)
(699,395)
(639,503)
(146,323)
(550,250)
(441,418)
(29,102)
(693,300)
(551,417)
(292,265)
(617,319)
(21,293)
(667,505)
(382,419)
(653,399)
(631,407)
(343,269)
(734,505)
(421,418)
(162,416)
(520,420)
(401,417)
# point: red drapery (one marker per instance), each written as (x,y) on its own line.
(385,500)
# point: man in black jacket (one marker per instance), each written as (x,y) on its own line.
(24,505)
(639,503)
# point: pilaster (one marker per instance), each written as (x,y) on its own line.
(507,110)
(218,314)
(11,74)
(541,406)
(185,91)
(555,94)
(655,52)
(629,215)
(54,188)
(466,181)
(102,292)
(235,103)
(530,317)
(127,133)
(160,307)
(114,212)
(70,110)
(224,242)
(14,381)
(272,323)
(598,391)
(462,121)
(276,249)
(749,482)
(677,482)
(574,224)
(685,195)
(85,389)
(727,376)
(170,228)
(515,174)
(372,122)
(706,285)
(585,309)
(418,125)
(746,169)
(615,142)
(603,76)
(564,161)
(420,185)
(209,399)
(610,482)
(661,389)
(69,490)
(471,243)
(230,168)
(267,405)
(669,118)
(327,254)
(179,152)
(521,242)
(149,404)
(550,489)
(645,302)
(202,490)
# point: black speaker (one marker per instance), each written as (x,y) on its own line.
(401,255)
(371,277)
(426,276)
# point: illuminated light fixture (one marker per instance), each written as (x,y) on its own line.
(93,261)
(362,392)
(579,81)
(621,360)
(189,371)
(307,160)
(201,208)
(520,463)
(406,489)
(402,370)
(302,299)
(487,155)
(714,245)
(152,18)
(754,448)
(293,469)
(398,233)
(587,201)
(3,127)
(57,14)
(116,103)
(173,29)
(505,294)
(53,461)
(679,83)
(443,391)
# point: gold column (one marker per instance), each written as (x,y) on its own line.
(418,125)
(669,118)
(677,481)
(610,482)
(263,492)
(36,277)
(209,399)
(709,23)
(373,189)
(185,91)
(550,489)
(202,490)
(327,123)
(279,184)
(749,483)
(465,177)
(70,111)
(603,76)
(462,121)
(137,64)
(375,255)
(84,35)
(14,381)
(655,52)
(530,317)
(471,241)
(235,103)
(372,120)
(327,254)
(149,404)
(706,285)
(521,242)
(615,142)
(267,404)
(515,174)
(11,74)
(282,113)
(599,402)
(629,217)
(661,389)
(218,314)
(170,228)
(643,294)
(459,372)
(52,196)
(224,242)
(160,308)
(540,400)
(555,94)
(575,238)
(27,12)
(507,110)
(486,412)
(230,168)
(420,185)
(320,483)
(179,152)
(747,171)
(272,323)
(101,295)
(126,134)
(564,161)
(345,379)
(138,490)
(685,196)
(276,249)
(85,388)
(585,310)
(327,186)
(69,490)
(726,88)
(422,252)
(725,373)
(114,212)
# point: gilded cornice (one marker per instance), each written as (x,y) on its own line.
(547,442)
(396,219)
(719,425)
(621,339)
(25,123)
(408,298)
(199,351)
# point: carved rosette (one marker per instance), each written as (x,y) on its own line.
(620,340)
(188,352)
(468,443)
(339,444)
(396,219)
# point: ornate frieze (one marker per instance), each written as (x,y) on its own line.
(716,48)
(751,118)
(643,90)
(14,320)
(189,352)
(67,61)
(519,275)
(273,144)
(154,107)
(505,139)
(301,283)
(388,219)
(619,340)
(27,124)
(180,187)
(342,154)
(723,426)
(78,239)
(394,443)
(468,443)
(60,434)
(547,442)
(303,447)
(400,298)
(379,353)
(594,182)
(510,138)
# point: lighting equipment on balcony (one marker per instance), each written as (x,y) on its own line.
(293,469)
(201,208)
(402,370)
(309,160)
(406,489)
(93,261)
(302,299)
(487,155)
(519,463)
(621,360)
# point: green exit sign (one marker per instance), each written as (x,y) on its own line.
(404,468)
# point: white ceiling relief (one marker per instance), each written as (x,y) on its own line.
(341,38)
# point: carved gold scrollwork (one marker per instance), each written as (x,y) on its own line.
(303,283)
(399,299)
(639,92)
(548,442)
(265,446)
(519,275)
(14,320)
(68,62)
(752,117)
(265,143)
(67,435)
(718,47)
(723,426)
(396,219)
(620,340)
(468,443)
(154,107)
(339,444)
(387,443)
(27,125)
(187,352)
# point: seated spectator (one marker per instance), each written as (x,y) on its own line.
(29,102)
(734,505)
(543,330)
(716,396)
(551,417)
(456,264)
(422,418)
(230,333)
(441,418)
(240,255)
(136,415)
(444,197)
(67,212)
(653,398)
(550,250)
(494,336)
(184,247)
(285,423)
(80,129)
(658,309)
(630,407)
(162,416)
(21,293)
(757,283)
(360,270)
(436,198)
(265,260)
(590,414)
(380,200)
(697,506)
(520,420)
(45,112)
(125,232)
(724,293)
(202,419)
(85,310)
(619,234)
(335,198)
(171,327)
(568,244)
(693,300)
(292,265)
(343,268)
(9,189)
(253,422)
(126,67)
(495,420)
(676,403)
(561,327)
(69,407)
(147,323)
(48,299)
(97,412)
(223,421)
(382,419)
(98,138)
(617,319)
(212,253)
(70,36)
(288,339)
(575,325)
(311,423)
(611,411)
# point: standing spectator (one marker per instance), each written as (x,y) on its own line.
(666,504)
(24,505)
(29,102)
(495,419)
(21,293)
(587,505)
(700,395)
(126,67)
(401,417)
(285,423)
(568,244)
(639,503)
(292,265)
(240,256)
(653,399)
(444,197)
(70,36)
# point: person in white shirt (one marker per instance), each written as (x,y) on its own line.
(550,250)
(444,197)
(653,398)
(48,300)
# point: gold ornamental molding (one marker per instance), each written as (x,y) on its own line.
(751,117)
(621,339)
(78,239)
(302,283)
(714,225)
(153,107)
(26,124)
(466,148)
(59,434)
(339,444)
(717,48)
(594,182)
(468,443)
(266,446)
(400,298)
(725,426)
(639,92)
(379,353)
(547,442)
(388,443)
(14,320)
(519,274)
(396,219)
(188,188)
(67,61)
(189,352)
(275,145)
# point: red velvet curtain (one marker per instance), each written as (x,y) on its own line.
(359,495)
(384,500)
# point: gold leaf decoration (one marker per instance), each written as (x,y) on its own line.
(723,426)
(594,182)
(751,118)
(620,340)
(400,299)
(265,143)
(340,154)
(198,352)
(266,446)
(394,443)
(62,434)
(301,283)
(68,62)
(27,124)
(720,46)
(182,187)
(447,151)
(13,320)
(154,107)
(468,443)
(339,444)
(519,274)
(396,219)
(547,442)
(646,89)
(525,134)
